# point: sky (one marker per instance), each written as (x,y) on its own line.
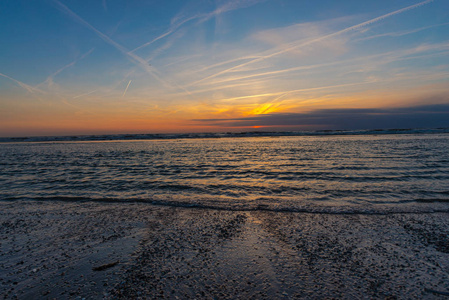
(72,67)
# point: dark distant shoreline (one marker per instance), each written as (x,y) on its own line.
(125,137)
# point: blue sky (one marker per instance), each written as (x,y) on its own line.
(87,67)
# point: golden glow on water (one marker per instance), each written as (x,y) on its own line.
(314,172)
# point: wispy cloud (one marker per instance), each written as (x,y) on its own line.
(299,44)
(131,56)
(85,94)
(179,20)
(169,42)
(178,60)
(50,78)
(227,7)
(211,66)
(379,59)
(275,94)
(153,40)
(401,33)
(23,85)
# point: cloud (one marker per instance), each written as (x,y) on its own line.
(131,56)
(169,42)
(285,37)
(126,89)
(306,43)
(228,6)
(170,31)
(23,85)
(179,20)
(425,116)
(365,65)
(402,33)
(49,79)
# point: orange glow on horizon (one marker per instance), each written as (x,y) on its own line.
(93,116)
(187,70)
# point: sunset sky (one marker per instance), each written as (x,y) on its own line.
(157,66)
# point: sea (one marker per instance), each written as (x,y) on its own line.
(329,172)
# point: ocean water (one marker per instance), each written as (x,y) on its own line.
(373,174)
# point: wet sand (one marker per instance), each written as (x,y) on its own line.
(120,250)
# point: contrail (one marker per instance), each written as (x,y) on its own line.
(387,57)
(354,27)
(294,91)
(126,89)
(23,85)
(49,78)
(85,94)
(203,18)
(402,33)
(172,29)
(131,56)
(152,41)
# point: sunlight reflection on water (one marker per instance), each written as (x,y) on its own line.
(331,171)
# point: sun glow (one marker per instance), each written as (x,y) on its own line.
(124,71)
(265,108)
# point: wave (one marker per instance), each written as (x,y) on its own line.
(433,200)
(120,137)
(418,208)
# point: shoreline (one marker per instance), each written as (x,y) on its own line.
(220,135)
(52,250)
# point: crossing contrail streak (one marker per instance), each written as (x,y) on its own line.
(131,56)
(23,85)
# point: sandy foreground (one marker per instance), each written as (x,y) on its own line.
(134,250)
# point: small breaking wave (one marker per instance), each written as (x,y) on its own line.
(418,206)
(128,137)
(432,200)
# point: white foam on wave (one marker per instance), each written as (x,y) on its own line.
(413,207)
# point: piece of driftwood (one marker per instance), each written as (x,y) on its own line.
(105,266)
(437,292)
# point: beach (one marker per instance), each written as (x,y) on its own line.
(56,249)
(319,217)
(224,149)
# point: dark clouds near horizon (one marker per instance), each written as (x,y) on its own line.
(424,116)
